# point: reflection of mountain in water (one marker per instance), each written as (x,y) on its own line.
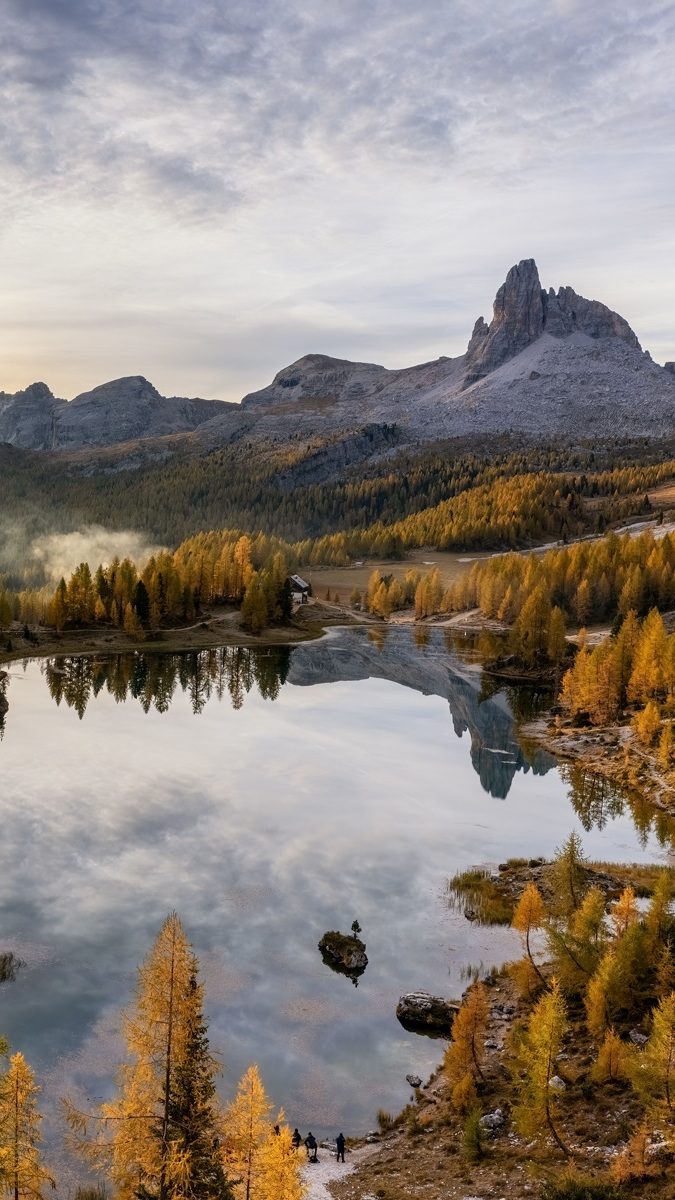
(435,671)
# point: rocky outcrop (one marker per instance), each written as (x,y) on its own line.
(420,1012)
(523,311)
(346,949)
(27,418)
(565,312)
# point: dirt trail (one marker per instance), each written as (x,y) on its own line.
(317,1175)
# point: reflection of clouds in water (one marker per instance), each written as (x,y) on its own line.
(263,827)
(85,1077)
(309,1011)
(316,1093)
(247,897)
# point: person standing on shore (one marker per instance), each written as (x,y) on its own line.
(340,1143)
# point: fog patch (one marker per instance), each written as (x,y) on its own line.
(58,554)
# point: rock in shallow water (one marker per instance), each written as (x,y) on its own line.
(423,1013)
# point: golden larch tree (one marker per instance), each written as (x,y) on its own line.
(530,914)
(280,1177)
(22,1174)
(624,913)
(246,1126)
(463,1061)
(654,1072)
(613,1060)
(159,1136)
(535,1113)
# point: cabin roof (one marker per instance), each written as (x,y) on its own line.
(300,584)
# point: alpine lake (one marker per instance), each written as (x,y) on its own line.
(267,796)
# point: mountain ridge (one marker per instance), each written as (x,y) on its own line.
(549,365)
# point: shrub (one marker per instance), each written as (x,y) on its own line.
(472,1139)
(572,1186)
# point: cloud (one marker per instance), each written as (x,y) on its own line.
(58,554)
(206,106)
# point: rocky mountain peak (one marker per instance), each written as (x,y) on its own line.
(517,320)
(130,389)
(523,311)
(37,393)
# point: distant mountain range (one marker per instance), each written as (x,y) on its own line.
(548,366)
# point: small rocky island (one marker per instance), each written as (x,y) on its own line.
(345,953)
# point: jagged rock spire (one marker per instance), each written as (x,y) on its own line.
(522,311)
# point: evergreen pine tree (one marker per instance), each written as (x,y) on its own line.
(192,1113)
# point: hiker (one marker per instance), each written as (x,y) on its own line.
(296,1138)
(312,1147)
(340,1143)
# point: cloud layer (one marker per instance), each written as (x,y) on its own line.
(303,172)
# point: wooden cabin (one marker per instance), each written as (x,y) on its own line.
(300,589)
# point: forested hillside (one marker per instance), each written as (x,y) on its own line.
(243,488)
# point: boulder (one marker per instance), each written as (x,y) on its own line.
(493,1120)
(638,1038)
(414,1081)
(421,1012)
(557,1083)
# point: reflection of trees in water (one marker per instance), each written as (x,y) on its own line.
(152,679)
(377,634)
(597,800)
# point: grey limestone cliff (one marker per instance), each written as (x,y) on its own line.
(120,411)
(27,418)
(523,311)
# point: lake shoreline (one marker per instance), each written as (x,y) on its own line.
(610,751)
(218,627)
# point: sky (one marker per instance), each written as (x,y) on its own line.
(201,193)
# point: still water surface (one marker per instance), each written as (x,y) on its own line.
(268,796)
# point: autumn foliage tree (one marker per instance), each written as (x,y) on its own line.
(536,1112)
(260,1156)
(159,1137)
(530,915)
(22,1173)
(464,1056)
(654,1072)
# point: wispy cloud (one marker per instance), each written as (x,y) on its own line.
(214,102)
